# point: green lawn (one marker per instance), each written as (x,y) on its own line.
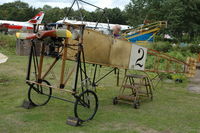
(173,110)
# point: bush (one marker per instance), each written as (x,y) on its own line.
(180,55)
(158,38)
(178,76)
(7,43)
(196,39)
(162,46)
(194,48)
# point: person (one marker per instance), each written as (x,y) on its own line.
(116,31)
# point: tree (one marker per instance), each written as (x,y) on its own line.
(115,16)
(52,15)
(136,12)
(182,15)
(19,11)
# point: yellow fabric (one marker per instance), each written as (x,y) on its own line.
(63,33)
(68,34)
(18,34)
(106,50)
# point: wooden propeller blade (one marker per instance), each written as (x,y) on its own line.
(55,33)
(42,34)
(25,36)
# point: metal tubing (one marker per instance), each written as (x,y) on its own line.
(104,76)
(63,64)
(34,61)
(94,76)
(90,4)
(77,69)
(29,62)
(41,62)
(98,21)
(84,66)
(69,10)
(61,99)
(117,77)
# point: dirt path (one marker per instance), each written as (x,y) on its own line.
(194,85)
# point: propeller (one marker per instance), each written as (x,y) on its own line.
(25,36)
(42,34)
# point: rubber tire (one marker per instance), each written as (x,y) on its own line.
(77,103)
(46,101)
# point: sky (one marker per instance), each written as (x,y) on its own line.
(66,3)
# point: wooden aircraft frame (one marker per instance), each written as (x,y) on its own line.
(40,87)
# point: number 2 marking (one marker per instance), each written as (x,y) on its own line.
(137,63)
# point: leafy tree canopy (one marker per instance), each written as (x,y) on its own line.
(182,15)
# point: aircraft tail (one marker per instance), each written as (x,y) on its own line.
(37,19)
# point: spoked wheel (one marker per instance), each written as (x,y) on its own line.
(39,95)
(86,105)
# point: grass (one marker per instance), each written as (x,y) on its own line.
(173,109)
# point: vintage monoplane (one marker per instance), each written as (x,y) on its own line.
(80,45)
